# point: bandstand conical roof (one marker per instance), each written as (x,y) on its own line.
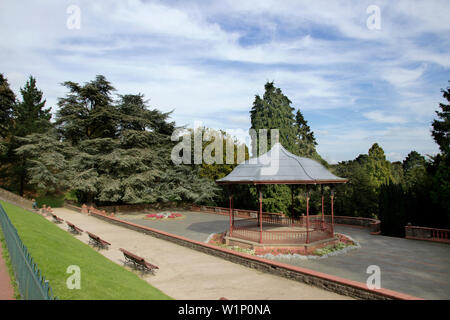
(279,166)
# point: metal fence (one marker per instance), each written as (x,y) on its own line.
(31,282)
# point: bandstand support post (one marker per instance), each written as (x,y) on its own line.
(332,210)
(260,215)
(307,215)
(292,204)
(323,211)
(231,213)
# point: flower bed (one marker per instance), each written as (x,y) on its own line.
(164,216)
(345,243)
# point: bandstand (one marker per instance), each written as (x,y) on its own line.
(278,166)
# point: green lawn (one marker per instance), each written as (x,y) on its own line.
(54,249)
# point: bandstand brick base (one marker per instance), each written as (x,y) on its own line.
(304,248)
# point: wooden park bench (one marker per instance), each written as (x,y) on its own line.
(57,219)
(137,262)
(97,241)
(73,228)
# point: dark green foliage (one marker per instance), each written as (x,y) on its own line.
(29,114)
(378,167)
(441,126)
(7,102)
(414,169)
(123,149)
(359,196)
(393,209)
(274,111)
(29,117)
(397,172)
(305,142)
(47,162)
(87,111)
(438,188)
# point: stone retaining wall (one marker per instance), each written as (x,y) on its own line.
(6,195)
(374,225)
(429,234)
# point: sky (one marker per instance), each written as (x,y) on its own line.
(360,71)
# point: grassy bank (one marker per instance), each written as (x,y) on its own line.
(54,250)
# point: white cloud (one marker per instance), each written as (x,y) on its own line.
(379,116)
(401,77)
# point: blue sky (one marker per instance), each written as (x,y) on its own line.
(206,61)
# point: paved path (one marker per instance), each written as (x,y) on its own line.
(188,274)
(418,268)
(6,289)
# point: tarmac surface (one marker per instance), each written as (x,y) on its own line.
(418,268)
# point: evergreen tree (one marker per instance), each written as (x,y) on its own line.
(392,206)
(397,172)
(29,114)
(123,149)
(7,103)
(441,126)
(378,167)
(358,197)
(439,168)
(305,142)
(414,169)
(30,117)
(274,111)
(47,162)
(87,111)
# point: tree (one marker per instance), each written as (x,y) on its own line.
(47,161)
(223,152)
(441,126)
(305,140)
(414,169)
(392,204)
(29,116)
(122,149)
(358,197)
(274,111)
(87,111)
(397,172)
(7,103)
(378,167)
(439,168)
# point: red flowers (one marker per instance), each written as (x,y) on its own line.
(277,251)
(161,216)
